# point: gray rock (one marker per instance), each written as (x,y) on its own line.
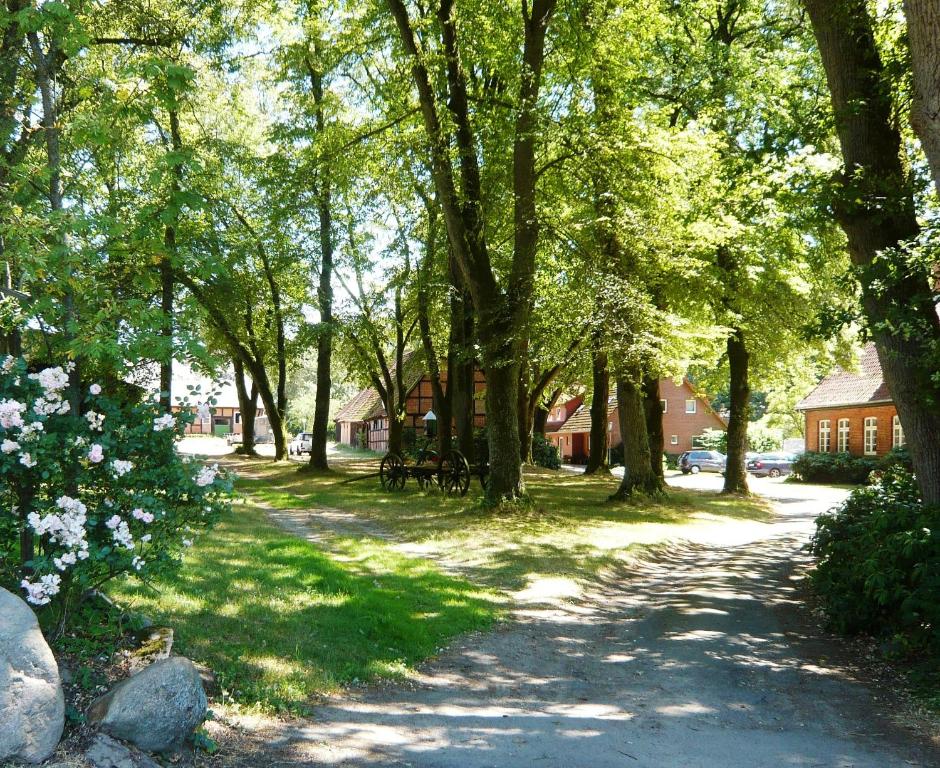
(106,752)
(155,709)
(32,706)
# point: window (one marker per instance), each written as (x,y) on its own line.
(871,436)
(238,417)
(665,405)
(825,435)
(674,440)
(842,441)
(897,432)
(691,406)
(610,426)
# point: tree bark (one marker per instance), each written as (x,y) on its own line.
(637,469)
(167,284)
(321,413)
(600,436)
(740,407)
(923,32)
(247,405)
(543,411)
(875,208)
(653,409)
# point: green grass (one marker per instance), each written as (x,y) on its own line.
(280,621)
(569,530)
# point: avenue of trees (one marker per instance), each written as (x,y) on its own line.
(559,192)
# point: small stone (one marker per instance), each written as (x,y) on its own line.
(155,709)
(106,752)
(32,705)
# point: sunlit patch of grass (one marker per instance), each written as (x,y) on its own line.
(570,529)
(280,621)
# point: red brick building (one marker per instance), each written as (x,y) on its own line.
(686,415)
(852,412)
(363,422)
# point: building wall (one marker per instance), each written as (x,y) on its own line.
(681,426)
(856,415)
(230,417)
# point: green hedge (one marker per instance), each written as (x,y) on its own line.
(815,467)
(879,563)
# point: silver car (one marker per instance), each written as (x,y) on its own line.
(702,461)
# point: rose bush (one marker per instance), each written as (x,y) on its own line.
(92,496)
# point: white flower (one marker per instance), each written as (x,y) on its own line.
(8,363)
(95,453)
(53,379)
(122,535)
(121,467)
(40,592)
(31,430)
(204,412)
(187,542)
(166,421)
(11,413)
(139,514)
(80,441)
(138,563)
(95,389)
(146,537)
(113,522)
(8,446)
(207,475)
(95,421)
(27,460)
(66,560)
(67,527)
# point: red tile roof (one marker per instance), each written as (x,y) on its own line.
(842,387)
(367,404)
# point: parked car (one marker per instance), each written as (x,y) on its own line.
(234,438)
(771,464)
(702,461)
(302,443)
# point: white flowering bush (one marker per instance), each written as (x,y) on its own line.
(87,497)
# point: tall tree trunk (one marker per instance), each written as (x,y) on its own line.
(543,411)
(461,366)
(248,406)
(167,284)
(321,413)
(395,434)
(502,423)
(638,472)
(524,416)
(875,207)
(923,32)
(740,407)
(653,409)
(600,436)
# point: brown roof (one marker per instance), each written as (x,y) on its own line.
(367,403)
(580,420)
(841,387)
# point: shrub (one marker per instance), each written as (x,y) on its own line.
(94,495)
(544,453)
(815,467)
(879,562)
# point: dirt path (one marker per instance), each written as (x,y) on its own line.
(698,660)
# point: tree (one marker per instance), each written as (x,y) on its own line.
(873,201)
(923,21)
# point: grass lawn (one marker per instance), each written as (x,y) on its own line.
(280,620)
(570,530)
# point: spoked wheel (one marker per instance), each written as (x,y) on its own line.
(454,474)
(392,472)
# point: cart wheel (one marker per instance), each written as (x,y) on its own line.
(454,474)
(392,473)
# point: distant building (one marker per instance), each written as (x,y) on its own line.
(852,411)
(686,415)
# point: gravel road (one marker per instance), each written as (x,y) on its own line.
(697,659)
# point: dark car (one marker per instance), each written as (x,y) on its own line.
(702,461)
(771,464)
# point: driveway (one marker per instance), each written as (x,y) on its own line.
(698,659)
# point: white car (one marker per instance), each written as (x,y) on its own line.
(302,443)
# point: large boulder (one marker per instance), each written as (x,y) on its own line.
(155,709)
(32,706)
(105,752)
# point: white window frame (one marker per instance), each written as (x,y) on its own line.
(674,440)
(665,404)
(691,406)
(897,432)
(610,426)
(871,435)
(842,436)
(825,435)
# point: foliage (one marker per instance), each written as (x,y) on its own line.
(712,440)
(879,563)
(92,495)
(813,467)
(545,453)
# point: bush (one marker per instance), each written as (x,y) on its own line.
(879,563)
(815,467)
(544,453)
(94,495)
